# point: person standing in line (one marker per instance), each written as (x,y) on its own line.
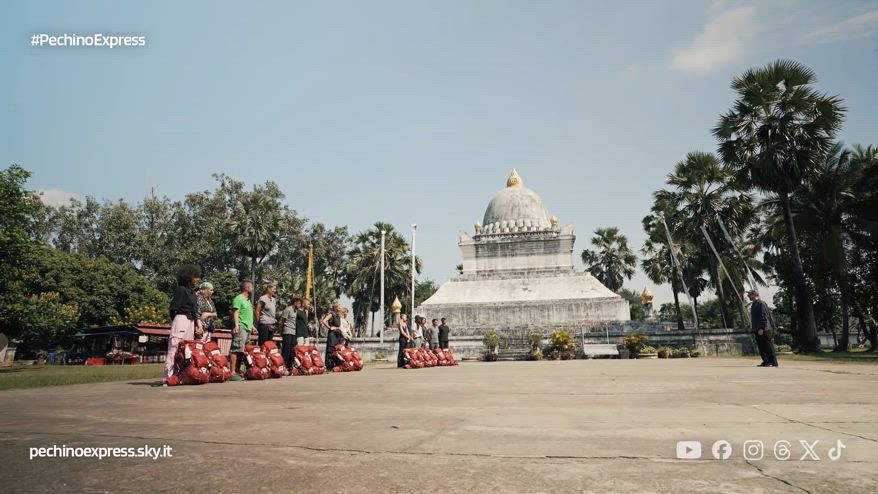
(418,332)
(405,339)
(347,329)
(761,323)
(207,310)
(287,323)
(303,325)
(266,313)
(332,323)
(242,317)
(185,324)
(432,334)
(443,334)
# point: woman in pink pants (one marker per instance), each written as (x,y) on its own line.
(185,323)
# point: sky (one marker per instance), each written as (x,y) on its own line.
(407,111)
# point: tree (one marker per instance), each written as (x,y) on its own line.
(363,270)
(424,289)
(612,261)
(635,304)
(701,192)
(774,138)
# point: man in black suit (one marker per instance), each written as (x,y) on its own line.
(443,334)
(762,323)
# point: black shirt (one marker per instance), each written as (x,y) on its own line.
(184,303)
(443,333)
(759,316)
(302,328)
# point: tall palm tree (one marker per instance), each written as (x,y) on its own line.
(773,138)
(702,191)
(363,270)
(659,268)
(255,224)
(612,261)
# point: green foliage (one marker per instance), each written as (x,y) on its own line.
(535,339)
(46,318)
(634,342)
(635,304)
(647,350)
(612,261)
(562,345)
(490,340)
(664,351)
(133,316)
(362,275)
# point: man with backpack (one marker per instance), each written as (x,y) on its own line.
(762,322)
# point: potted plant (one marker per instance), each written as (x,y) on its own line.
(562,345)
(647,351)
(664,352)
(634,342)
(535,338)
(491,340)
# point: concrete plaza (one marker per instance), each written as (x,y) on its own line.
(572,426)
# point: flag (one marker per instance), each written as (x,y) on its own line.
(310,276)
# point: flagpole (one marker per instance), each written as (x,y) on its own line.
(309,279)
(414,232)
(381,296)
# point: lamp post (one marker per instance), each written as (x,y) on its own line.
(414,232)
(381,296)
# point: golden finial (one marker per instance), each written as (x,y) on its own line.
(554,221)
(478,227)
(396,307)
(514,180)
(646,296)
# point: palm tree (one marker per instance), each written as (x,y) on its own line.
(774,138)
(659,268)
(612,261)
(363,271)
(255,224)
(702,191)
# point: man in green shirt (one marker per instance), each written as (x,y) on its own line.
(242,315)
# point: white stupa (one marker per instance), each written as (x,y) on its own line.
(518,273)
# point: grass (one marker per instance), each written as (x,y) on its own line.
(860,356)
(36,376)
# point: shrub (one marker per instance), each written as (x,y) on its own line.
(490,357)
(536,354)
(491,340)
(634,342)
(694,353)
(562,345)
(647,349)
(665,352)
(535,338)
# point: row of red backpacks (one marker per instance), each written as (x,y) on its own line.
(418,358)
(346,359)
(307,361)
(199,363)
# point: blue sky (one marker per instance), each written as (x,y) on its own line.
(407,111)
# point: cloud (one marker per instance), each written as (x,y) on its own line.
(721,43)
(55,197)
(860,26)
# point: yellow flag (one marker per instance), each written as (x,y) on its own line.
(310,276)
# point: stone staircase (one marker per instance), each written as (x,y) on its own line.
(513,346)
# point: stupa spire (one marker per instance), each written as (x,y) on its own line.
(514,180)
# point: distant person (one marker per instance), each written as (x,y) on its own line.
(287,324)
(347,329)
(418,332)
(762,323)
(183,310)
(242,319)
(331,322)
(443,334)
(207,310)
(266,313)
(405,339)
(432,334)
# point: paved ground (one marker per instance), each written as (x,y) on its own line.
(575,426)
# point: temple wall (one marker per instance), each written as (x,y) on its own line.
(477,318)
